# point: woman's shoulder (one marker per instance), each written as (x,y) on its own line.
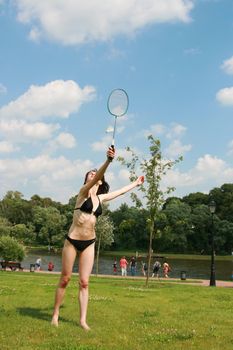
(81,196)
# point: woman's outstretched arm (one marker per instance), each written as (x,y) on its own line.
(112,195)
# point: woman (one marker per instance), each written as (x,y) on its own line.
(81,237)
(166,269)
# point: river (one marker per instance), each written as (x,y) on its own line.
(199,269)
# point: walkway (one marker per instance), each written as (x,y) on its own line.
(188,281)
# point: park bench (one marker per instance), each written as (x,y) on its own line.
(13,265)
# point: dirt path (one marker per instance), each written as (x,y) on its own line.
(194,282)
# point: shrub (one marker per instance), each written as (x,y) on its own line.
(10,249)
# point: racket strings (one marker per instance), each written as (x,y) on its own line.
(118,102)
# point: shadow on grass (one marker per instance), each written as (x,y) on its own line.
(41,314)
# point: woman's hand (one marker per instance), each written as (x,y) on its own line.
(140,180)
(111,153)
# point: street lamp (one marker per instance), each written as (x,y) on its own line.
(212,208)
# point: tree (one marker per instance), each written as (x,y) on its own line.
(104,236)
(10,249)
(154,168)
(5,227)
(129,227)
(196,198)
(23,233)
(49,225)
(177,226)
(199,238)
(16,209)
(223,198)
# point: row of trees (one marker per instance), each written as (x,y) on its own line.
(171,225)
(183,224)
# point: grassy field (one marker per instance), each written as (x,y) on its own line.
(123,315)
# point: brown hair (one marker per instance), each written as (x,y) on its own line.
(103,188)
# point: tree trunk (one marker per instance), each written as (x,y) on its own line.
(149,251)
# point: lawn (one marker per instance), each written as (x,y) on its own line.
(123,315)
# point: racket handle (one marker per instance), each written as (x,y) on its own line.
(110,158)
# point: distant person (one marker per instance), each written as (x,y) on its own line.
(114,267)
(38,264)
(156,268)
(166,269)
(133,266)
(123,266)
(50,266)
(144,268)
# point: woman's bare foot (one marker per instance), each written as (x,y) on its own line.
(85,326)
(54,321)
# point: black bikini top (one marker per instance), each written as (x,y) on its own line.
(87,207)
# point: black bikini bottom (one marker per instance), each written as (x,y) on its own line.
(80,245)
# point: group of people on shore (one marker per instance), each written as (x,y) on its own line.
(38,265)
(131,265)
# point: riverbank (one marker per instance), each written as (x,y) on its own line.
(140,253)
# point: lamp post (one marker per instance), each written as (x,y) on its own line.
(212,208)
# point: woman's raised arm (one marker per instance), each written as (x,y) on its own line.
(100,172)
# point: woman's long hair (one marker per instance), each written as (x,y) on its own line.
(103,188)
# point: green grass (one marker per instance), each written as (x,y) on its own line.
(123,315)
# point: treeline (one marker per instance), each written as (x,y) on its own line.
(183,225)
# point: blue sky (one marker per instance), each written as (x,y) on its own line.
(59,61)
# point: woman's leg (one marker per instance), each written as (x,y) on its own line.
(86,261)
(68,258)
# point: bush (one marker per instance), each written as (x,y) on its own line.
(10,249)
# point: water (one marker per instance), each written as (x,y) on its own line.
(199,269)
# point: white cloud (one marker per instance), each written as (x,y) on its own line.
(21,131)
(225,96)
(103,144)
(210,165)
(63,140)
(35,166)
(124,175)
(209,172)
(177,149)
(35,34)
(230,147)
(66,140)
(7,147)
(58,98)
(176,130)
(43,175)
(227,66)
(75,22)
(3,89)
(60,178)
(155,129)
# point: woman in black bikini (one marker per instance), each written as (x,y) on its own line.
(81,237)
